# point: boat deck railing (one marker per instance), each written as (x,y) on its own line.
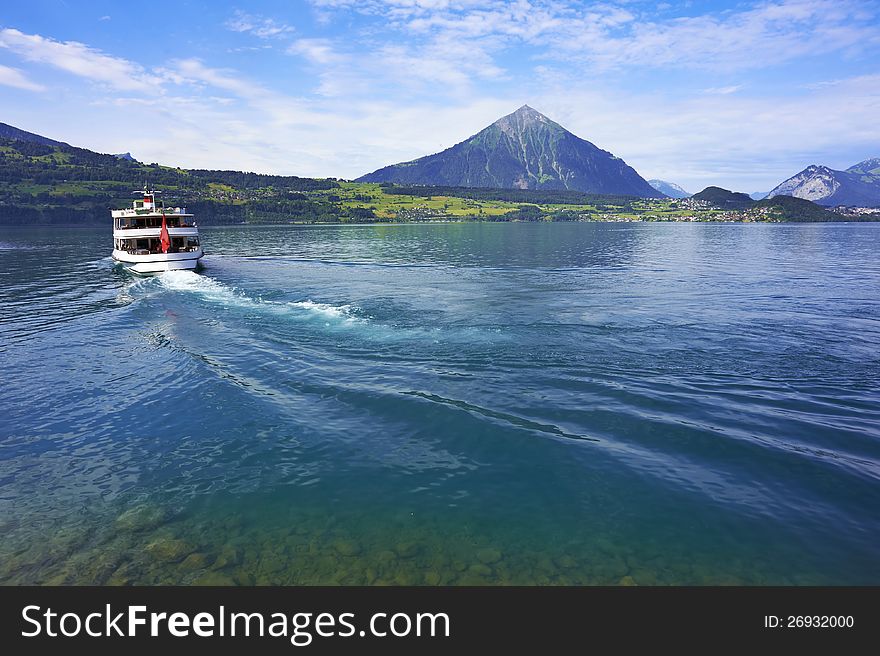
(182,224)
(148,251)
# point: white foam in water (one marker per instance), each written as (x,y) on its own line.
(331,311)
(330,315)
(9,246)
(187,281)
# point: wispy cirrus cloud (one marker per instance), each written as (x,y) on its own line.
(611,35)
(724,91)
(76,58)
(317,51)
(259,26)
(762,36)
(193,71)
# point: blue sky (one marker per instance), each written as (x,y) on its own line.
(738,94)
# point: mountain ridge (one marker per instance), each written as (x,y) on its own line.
(17,134)
(524,150)
(859,185)
(669,189)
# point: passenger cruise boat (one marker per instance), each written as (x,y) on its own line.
(151,238)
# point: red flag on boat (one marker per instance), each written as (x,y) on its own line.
(164,237)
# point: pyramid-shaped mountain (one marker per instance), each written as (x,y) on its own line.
(524,150)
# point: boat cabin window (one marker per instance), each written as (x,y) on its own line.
(154,245)
(156,222)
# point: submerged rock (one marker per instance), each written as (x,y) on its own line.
(141,518)
(470,579)
(170,551)
(644,577)
(480,570)
(213,579)
(240,578)
(229,557)
(406,578)
(408,549)
(386,556)
(347,548)
(432,578)
(194,561)
(126,574)
(489,556)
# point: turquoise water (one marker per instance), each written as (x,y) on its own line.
(449,403)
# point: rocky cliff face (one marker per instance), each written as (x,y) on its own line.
(859,185)
(669,189)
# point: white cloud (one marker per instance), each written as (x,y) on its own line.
(260,26)
(76,58)
(194,71)
(447,68)
(735,140)
(13,77)
(317,51)
(607,36)
(723,91)
(767,35)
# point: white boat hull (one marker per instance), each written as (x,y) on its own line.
(160,262)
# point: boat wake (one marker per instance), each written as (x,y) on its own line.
(326,310)
(216,291)
(10,246)
(327,315)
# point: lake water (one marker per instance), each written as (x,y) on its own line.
(447,403)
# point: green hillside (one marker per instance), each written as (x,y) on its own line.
(789,208)
(724,199)
(42,183)
(53,183)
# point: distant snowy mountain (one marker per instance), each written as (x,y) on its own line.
(859,185)
(758,195)
(125,156)
(669,189)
